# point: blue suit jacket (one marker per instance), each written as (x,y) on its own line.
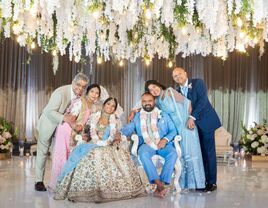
(207,119)
(165,125)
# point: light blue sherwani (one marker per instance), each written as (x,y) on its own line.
(166,130)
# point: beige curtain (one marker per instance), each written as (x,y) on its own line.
(25,88)
(237,87)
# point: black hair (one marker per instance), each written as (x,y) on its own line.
(111,98)
(154,82)
(147,93)
(94,86)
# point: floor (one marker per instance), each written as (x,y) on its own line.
(240,184)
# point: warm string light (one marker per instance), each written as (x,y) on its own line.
(121,63)
(170,64)
(76,59)
(198,30)
(136,35)
(99,60)
(19,39)
(54,52)
(96,14)
(239,22)
(184,30)
(148,14)
(241,48)
(242,34)
(33,45)
(33,12)
(147,61)
(255,40)
(16,29)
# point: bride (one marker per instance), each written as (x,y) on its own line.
(100,171)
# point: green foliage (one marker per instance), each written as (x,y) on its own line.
(180,13)
(168,34)
(8,135)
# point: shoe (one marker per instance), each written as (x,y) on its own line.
(39,186)
(200,189)
(210,188)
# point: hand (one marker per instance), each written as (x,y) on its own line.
(190,123)
(116,142)
(69,118)
(118,136)
(162,143)
(131,116)
(85,138)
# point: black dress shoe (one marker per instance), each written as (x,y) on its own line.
(39,186)
(210,188)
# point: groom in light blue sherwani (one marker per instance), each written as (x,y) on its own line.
(156,131)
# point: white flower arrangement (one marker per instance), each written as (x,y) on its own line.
(255,139)
(7,135)
(129,29)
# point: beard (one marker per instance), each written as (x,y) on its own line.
(148,107)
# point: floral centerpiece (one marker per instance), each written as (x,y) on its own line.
(8,135)
(255,139)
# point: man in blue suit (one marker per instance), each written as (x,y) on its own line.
(156,131)
(205,118)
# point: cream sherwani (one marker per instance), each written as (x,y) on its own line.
(51,116)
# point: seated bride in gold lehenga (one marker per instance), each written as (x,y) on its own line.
(99,171)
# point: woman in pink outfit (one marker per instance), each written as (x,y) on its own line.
(64,135)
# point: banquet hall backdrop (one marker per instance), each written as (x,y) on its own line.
(237,87)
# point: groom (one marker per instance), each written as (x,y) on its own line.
(205,118)
(156,132)
(53,114)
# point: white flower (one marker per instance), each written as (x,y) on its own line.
(264,139)
(262,150)
(255,144)
(2,139)
(6,135)
(260,132)
(190,86)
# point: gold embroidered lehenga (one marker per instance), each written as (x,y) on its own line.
(105,174)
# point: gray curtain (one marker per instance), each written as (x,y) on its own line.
(237,87)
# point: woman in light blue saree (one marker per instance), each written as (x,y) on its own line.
(178,108)
(99,171)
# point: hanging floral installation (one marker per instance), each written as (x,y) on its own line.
(128,29)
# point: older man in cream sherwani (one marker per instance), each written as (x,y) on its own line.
(53,114)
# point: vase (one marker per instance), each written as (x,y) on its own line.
(4,156)
(259,158)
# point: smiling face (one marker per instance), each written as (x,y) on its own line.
(93,94)
(109,107)
(79,87)
(148,102)
(179,76)
(154,90)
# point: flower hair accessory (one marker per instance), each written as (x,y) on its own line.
(190,86)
